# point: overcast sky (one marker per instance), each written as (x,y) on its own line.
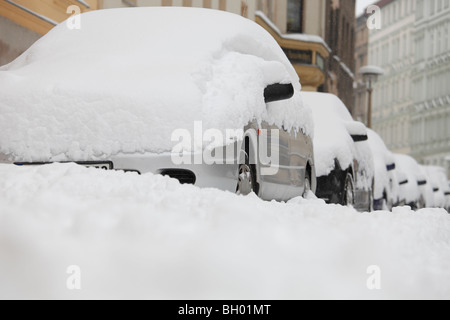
(361,4)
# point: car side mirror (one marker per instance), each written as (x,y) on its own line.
(359,138)
(390,167)
(422,182)
(357,131)
(403,182)
(278,92)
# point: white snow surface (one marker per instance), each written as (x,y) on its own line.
(150,237)
(130,77)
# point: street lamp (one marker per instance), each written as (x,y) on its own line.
(370,76)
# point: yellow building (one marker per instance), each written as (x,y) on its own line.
(23,21)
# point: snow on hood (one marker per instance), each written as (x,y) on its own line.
(382,159)
(130,77)
(333,126)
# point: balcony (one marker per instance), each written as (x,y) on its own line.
(307,53)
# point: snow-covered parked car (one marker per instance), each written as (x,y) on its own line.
(400,179)
(447,198)
(439,184)
(203,96)
(386,185)
(427,189)
(411,187)
(344,162)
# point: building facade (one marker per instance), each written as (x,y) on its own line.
(340,36)
(360,104)
(430,116)
(391,48)
(316,35)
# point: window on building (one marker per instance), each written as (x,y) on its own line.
(431,54)
(438,49)
(361,61)
(446,39)
(295,16)
(420,9)
(405,46)
(244,9)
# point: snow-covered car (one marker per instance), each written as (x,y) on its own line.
(400,179)
(447,198)
(386,184)
(344,162)
(427,189)
(203,96)
(439,184)
(411,189)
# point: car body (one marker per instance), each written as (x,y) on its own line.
(344,162)
(386,183)
(439,184)
(427,189)
(206,106)
(447,198)
(411,187)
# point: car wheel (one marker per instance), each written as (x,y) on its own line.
(371,199)
(245,180)
(307,184)
(384,205)
(389,205)
(421,204)
(349,192)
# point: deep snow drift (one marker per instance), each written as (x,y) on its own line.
(149,237)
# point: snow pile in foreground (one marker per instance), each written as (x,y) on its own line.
(130,77)
(149,237)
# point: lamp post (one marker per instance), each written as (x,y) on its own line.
(370,76)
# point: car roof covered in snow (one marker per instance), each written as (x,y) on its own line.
(130,77)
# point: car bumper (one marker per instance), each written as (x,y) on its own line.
(220,176)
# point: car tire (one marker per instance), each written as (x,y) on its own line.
(371,199)
(421,203)
(349,191)
(307,184)
(247,179)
